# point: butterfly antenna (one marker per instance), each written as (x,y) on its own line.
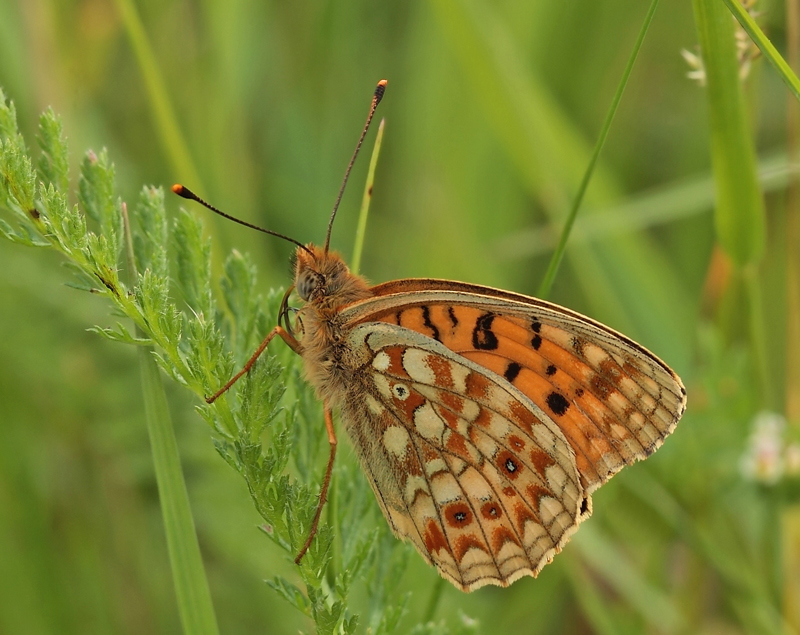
(376,99)
(185,192)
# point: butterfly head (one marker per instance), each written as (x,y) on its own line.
(322,277)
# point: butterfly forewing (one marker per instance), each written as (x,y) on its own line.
(481,481)
(614,401)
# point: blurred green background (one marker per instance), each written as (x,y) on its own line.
(492,109)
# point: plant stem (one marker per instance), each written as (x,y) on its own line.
(361,229)
(191,585)
(558,254)
(765,46)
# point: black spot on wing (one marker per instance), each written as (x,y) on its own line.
(536,325)
(512,370)
(426,320)
(483,338)
(557,403)
(536,342)
(452,315)
(551,370)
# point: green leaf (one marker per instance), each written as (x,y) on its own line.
(54,160)
(8,122)
(241,297)
(96,194)
(150,241)
(193,256)
(291,594)
(121,334)
(17,179)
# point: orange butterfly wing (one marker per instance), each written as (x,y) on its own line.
(604,400)
(615,401)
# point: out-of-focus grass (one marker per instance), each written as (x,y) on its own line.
(492,109)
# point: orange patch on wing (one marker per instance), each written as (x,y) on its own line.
(509,491)
(454,402)
(477,386)
(465,543)
(442,370)
(510,466)
(458,445)
(523,514)
(536,493)
(601,387)
(458,515)
(450,418)
(434,538)
(541,461)
(409,404)
(500,536)
(484,418)
(490,510)
(523,416)
(395,354)
(612,371)
(516,443)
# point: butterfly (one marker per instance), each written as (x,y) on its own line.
(483,419)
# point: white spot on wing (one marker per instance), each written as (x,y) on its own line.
(413,484)
(415,362)
(445,488)
(428,423)
(373,404)
(381,361)
(395,439)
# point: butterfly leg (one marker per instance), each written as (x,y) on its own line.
(284,335)
(323,493)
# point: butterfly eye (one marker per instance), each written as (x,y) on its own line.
(307,283)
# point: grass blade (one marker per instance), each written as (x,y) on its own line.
(191,586)
(171,138)
(361,229)
(739,215)
(558,254)
(765,46)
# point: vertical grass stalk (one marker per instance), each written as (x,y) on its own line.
(790,522)
(171,139)
(361,229)
(558,254)
(191,586)
(739,211)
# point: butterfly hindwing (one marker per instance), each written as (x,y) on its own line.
(480,479)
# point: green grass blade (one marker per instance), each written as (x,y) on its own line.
(765,46)
(739,215)
(191,586)
(171,138)
(361,229)
(558,254)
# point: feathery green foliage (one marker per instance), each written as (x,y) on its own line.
(255,430)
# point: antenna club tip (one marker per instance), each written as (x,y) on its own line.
(182,191)
(379,90)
